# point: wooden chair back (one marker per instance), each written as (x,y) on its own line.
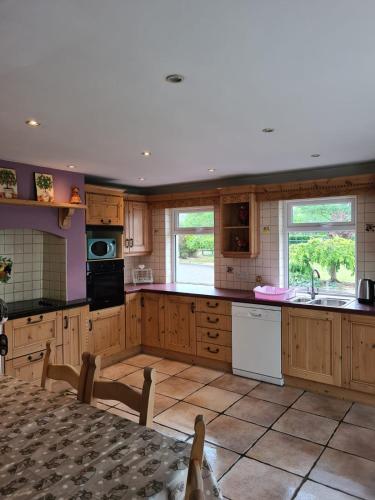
(194,485)
(142,402)
(66,373)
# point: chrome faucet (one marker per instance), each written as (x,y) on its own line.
(313,291)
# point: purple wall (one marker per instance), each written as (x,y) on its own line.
(46,219)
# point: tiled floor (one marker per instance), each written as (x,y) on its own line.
(264,442)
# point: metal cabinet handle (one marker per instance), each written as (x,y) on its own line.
(127,243)
(131,243)
(31,322)
(66,322)
(212,351)
(105,221)
(216,320)
(90,325)
(37,358)
(192,307)
(210,336)
(142,302)
(212,306)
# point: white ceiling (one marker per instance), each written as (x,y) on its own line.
(92,71)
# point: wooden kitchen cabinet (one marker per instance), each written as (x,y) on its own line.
(30,334)
(133,317)
(152,319)
(311,344)
(138,237)
(29,367)
(358,343)
(105,206)
(180,330)
(239,230)
(107,332)
(75,335)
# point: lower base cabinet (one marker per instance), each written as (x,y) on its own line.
(311,344)
(179,324)
(107,331)
(358,340)
(29,367)
(75,335)
(133,320)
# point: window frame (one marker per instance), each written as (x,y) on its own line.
(289,227)
(176,230)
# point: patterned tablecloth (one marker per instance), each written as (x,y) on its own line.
(53,447)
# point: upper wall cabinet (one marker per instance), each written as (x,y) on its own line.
(105,206)
(138,237)
(239,224)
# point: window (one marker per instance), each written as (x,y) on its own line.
(193,246)
(320,234)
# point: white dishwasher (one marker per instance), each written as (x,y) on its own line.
(256,342)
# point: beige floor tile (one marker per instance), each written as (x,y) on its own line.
(177,388)
(161,404)
(232,433)
(136,379)
(316,491)
(286,452)
(200,374)
(362,415)
(107,402)
(101,406)
(170,367)
(213,398)
(220,459)
(345,472)
(117,371)
(142,360)
(182,417)
(124,414)
(356,440)
(307,426)
(230,382)
(275,394)
(322,405)
(167,431)
(256,410)
(251,480)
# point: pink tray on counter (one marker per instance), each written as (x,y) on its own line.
(273,293)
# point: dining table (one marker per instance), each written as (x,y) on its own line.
(53,447)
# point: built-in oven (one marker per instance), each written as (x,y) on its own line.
(105,283)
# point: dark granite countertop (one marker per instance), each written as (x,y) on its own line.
(39,306)
(247,297)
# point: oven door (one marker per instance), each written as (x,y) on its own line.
(105,289)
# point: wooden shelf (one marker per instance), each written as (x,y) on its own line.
(66,210)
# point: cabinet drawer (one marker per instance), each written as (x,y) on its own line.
(28,368)
(220,337)
(214,306)
(217,321)
(30,334)
(214,351)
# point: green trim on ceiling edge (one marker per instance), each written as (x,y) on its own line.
(269,178)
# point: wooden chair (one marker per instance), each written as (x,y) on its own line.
(66,373)
(143,402)
(194,484)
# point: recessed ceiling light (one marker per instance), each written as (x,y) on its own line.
(268,130)
(315,155)
(141,179)
(174,78)
(146,153)
(211,170)
(32,123)
(71,166)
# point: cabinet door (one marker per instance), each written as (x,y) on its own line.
(30,366)
(107,331)
(31,333)
(75,335)
(312,345)
(133,314)
(153,319)
(103,209)
(138,231)
(180,333)
(359,352)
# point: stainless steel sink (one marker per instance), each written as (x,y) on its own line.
(330,302)
(301,300)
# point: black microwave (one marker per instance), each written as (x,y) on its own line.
(101,248)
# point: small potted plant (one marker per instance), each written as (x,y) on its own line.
(8,180)
(44,187)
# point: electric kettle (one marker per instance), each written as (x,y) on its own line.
(365,292)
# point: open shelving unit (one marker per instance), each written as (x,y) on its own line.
(66,210)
